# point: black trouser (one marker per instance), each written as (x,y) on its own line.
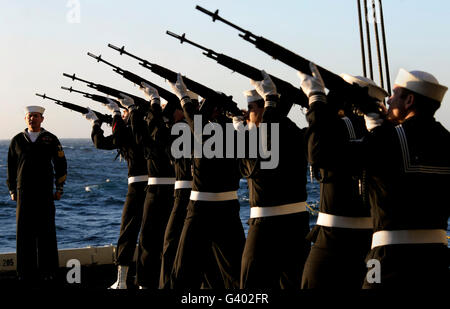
(37,251)
(157,208)
(337,258)
(275,251)
(172,235)
(131,223)
(411,266)
(209,227)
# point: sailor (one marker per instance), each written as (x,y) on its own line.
(408,168)
(183,184)
(212,221)
(122,140)
(36,160)
(343,230)
(276,247)
(154,135)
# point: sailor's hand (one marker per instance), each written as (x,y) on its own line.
(313,86)
(179,88)
(113,107)
(127,102)
(13,196)
(58,194)
(373,120)
(264,87)
(150,92)
(91,116)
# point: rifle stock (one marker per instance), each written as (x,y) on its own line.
(102,117)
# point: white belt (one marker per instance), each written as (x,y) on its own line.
(183,184)
(161,181)
(134,179)
(213,196)
(257,212)
(383,238)
(344,222)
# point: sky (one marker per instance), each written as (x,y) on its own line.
(43,39)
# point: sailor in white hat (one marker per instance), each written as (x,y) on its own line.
(36,166)
(34,117)
(414,92)
(409,188)
(343,230)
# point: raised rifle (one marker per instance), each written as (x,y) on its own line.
(284,88)
(102,117)
(95,97)
(169,96)
(219,98)
(356,95)
(109,91)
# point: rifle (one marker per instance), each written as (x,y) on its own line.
(332,81)
(95,97)
(226,101)
(283,87)
(109,91)
(102,117)
(169,96)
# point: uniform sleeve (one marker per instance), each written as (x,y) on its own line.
(60,165)
(11,179)
(99,139)
(120,133)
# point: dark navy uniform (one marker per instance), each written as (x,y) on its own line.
(33,167)
(212,220)
(154,135)
(409,176)
(276,246)
(343,231)
(122,139)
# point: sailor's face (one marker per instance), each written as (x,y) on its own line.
(397,106)
(255,113)
(125,115)
(34,120)
(178,115)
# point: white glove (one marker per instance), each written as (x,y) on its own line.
(312,85)
(264,87)
(150,93)
(127,102)
(113,107)
(373,120)
(179,88)
(91,116)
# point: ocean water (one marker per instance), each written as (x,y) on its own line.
(90,210)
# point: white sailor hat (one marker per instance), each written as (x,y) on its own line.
(375,91)
(252,96)
(192,95)
(422,83)
(34,109)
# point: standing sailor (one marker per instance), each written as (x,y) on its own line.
(122,139)
(276,247)
(36,160)
(343,230)
(212,221)
(154,135)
